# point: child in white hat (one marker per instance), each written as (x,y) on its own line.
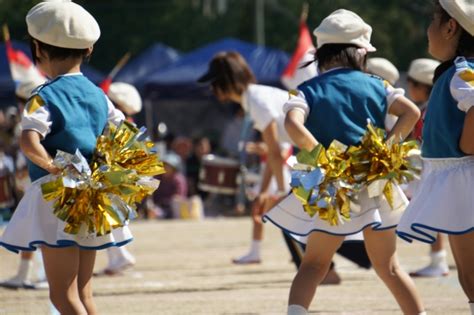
(125,97)
(67,113)
(336,105)
(444,201)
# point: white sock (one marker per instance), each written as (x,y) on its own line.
(295,309)
(112,253)
(471,305)
(123,251)
(24,269)
(39,268)
(422,313)
(438,258)
(255,248)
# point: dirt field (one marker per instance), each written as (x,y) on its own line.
(184,267)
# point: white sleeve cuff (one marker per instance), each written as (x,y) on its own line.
(462,89)
(39,121)
(297,102)
(392,94)
(114,115)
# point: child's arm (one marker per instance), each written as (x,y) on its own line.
(294,125)
(35,152)
(408,114)
(462,89)
(466,143)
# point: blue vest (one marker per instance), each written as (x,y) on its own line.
(340,102)
(79,114)
(443,121)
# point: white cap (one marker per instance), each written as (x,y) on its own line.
(462,11)
(26,86)
(384,69)
(62,24)
(126,97)
(422,70)
(344,27)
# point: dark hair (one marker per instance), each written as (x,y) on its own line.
(58,53)
(345,55)
(465,43)
(418,83)
(232,73)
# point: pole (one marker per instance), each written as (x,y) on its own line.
(260,22)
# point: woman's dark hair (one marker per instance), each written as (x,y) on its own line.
(465,43)
(345,55)
(58,53)
(231,73)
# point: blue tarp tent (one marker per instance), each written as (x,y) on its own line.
(178,80)
(7,86)
(149,62)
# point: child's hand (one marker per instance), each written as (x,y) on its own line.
(52,169)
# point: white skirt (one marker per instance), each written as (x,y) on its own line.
(33,224)
(374,212)
(443,202)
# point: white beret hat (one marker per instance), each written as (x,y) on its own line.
(25,87)
(384,69)
(62,24)
(344,27)
(126,97)
(462,11)
(422,70)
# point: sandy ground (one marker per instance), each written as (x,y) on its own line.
(184,267)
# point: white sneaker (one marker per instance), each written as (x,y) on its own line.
(247,260)
(431,271)
(120,264)
(40,285)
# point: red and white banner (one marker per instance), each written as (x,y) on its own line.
(294,75)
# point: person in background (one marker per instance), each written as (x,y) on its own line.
(26,277)
(126,98)
(387,71)
(201,147)
(173,185)
(420,84)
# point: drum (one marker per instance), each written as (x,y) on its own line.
(219,175)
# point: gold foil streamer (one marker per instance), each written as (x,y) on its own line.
(376,164)
(94,200)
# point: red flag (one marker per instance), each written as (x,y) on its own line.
(294,75)
(105,85)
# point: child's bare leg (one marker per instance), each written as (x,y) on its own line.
(62,267)
(84,281)
(461,246)
(320,249)
(381,248)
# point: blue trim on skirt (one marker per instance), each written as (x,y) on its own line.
(61,244)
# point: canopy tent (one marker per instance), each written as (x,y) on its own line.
(152,60)
(178,80)
(7,86)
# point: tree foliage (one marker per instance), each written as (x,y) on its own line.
(399,26)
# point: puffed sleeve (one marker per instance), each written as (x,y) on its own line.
(114,115)
(296,101)
(36,116)
(462,84)
(392,93)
